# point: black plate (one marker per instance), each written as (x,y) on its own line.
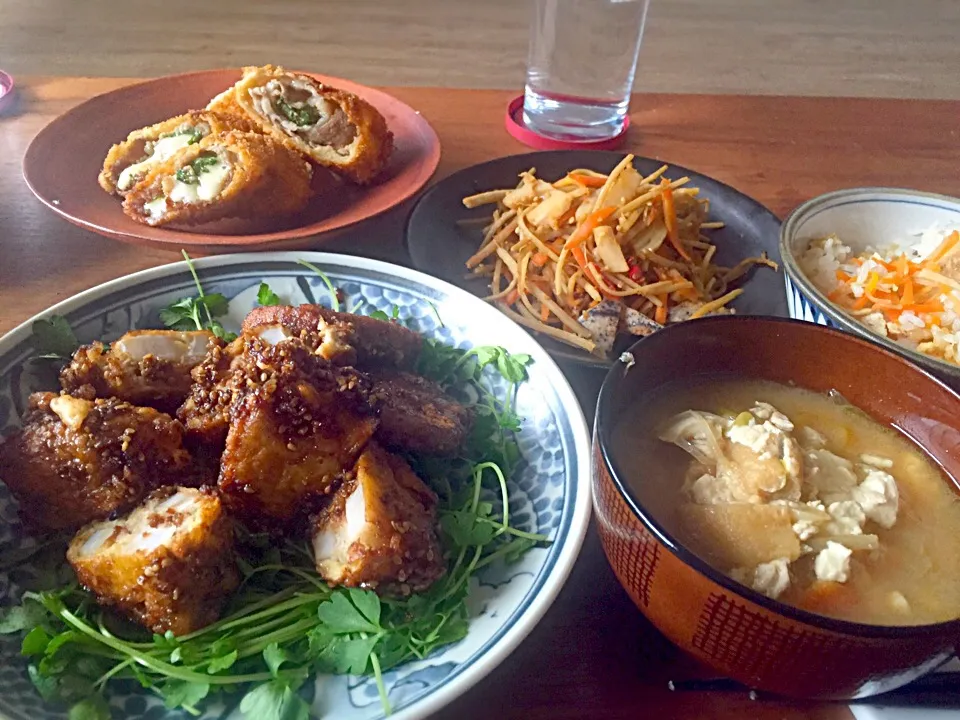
(440,246)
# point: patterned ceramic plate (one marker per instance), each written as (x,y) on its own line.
(549,494)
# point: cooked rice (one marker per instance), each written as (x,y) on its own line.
(872,287)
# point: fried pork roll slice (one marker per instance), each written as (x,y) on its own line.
(76,461)
(296,426)
(342,338)
(143,367)
(334,128)
(379,531)
(416,415)
(129,162)
(168,565)
(236,174)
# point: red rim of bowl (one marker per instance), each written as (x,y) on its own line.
(513,119)
(610,388)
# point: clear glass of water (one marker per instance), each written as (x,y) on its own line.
(583,57)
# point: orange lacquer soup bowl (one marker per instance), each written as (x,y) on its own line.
(742,634)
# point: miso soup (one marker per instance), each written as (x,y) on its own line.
(800,496)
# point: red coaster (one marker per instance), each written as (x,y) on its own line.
(6,88)
(517,128)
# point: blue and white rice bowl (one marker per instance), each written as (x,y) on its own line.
(863,219)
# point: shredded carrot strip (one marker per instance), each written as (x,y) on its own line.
(861,302)
(843,277)
(539,259)
(544,312)
(907,297)
(660,315)
(512,297)
(587,180)
(927,307)
(670,220)
(586,228)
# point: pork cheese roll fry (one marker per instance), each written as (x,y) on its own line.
(129,161)
(334,128)
(236,174)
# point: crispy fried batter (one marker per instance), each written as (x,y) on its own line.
(141,146)
(348,135)
(416,415)
(250,175)
(143,367)
(296,425)
(168,565)
(217,380)
(379,531)
(78,460)
(342,338)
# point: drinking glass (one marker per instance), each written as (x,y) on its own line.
(581,65)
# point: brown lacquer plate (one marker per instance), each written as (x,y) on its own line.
(62,163)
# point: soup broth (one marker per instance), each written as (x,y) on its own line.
(836,514)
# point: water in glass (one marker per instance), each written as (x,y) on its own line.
(583,56)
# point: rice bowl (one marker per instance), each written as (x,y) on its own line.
(850,256)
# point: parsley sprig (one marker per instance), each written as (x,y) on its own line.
(200,312)
(54,338)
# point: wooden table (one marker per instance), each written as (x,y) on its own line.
(593,655)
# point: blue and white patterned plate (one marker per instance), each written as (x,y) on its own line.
(550,494)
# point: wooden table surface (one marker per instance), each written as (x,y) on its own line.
(593,655)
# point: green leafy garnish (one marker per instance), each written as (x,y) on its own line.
(54,337)
(195,134)
(198,313)
(381,315)
(334,295)
(266,296)
(190,174)
(302,116)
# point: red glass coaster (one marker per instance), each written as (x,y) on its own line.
(519,130)
(6,88)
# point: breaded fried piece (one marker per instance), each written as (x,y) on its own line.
(334,128)
(217,380)
(341,338)
(234,174)
(168,565)
(379,532)
(416,415)
(129,161)
(297,424)
(78,460)
(143,367)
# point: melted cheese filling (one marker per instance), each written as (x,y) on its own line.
(209,185)
(162,149)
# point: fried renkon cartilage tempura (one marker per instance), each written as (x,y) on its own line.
(129,161)
(144,367)
(340,337)
(78,460)
(236,174)
(332,127)
(297,423)
(379,531)
(169,564)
